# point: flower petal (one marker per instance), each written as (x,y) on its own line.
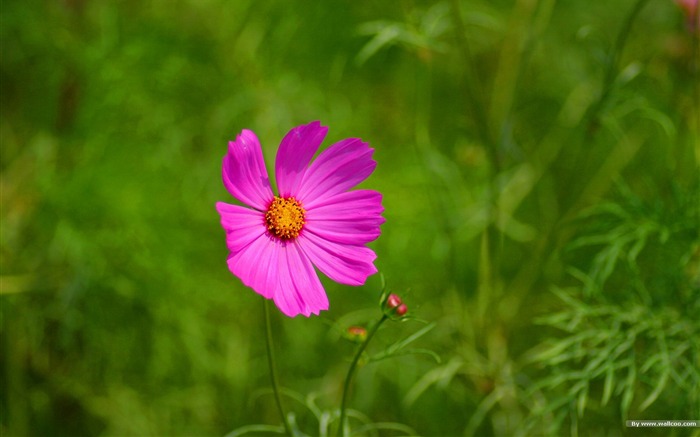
(339,168)
(244,172)
(242,225)
(352,217)
(256,265)
(299,291)
(295,153)
(342,263)
(253,255)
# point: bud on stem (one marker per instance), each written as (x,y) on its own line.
(394,306)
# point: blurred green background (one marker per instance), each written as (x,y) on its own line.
(539,165)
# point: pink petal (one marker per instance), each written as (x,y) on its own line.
(244,172)
(339,168)
(242,225)
(352,217)
(256,265)
(342,263)
(295,153)
(300,291)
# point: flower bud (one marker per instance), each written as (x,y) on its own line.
(401,310)
(394,307)
(393,301)
(357,333)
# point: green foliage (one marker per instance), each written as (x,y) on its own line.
(630,331)
(539,166)
(647,245)
(633,354)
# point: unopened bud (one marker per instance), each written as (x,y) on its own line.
(394,307)
(393,301)
(357,333)
(401,310)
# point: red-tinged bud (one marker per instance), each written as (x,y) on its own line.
(394,307)
(401,310)
(393,301)
(357,333)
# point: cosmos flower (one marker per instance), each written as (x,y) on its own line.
(314,220)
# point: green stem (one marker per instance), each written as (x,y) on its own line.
(351,372)
(614,61)
(477,103)
(473,88)
(273,368)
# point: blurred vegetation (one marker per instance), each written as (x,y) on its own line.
(539,165)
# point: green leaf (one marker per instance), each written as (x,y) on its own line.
(609,382)
(394,348)
(413,351)
(660,385)
(384,37)
(581,401)
(628,393)
(442,375)
(389,426)
(251,429)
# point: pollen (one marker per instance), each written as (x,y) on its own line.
(285,218)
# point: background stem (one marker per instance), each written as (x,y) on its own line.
(351,371)
(273,367)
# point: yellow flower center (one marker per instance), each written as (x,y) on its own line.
(285,218)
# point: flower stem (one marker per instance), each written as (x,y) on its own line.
(351,372)
(273,368)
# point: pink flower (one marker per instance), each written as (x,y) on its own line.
(314,221)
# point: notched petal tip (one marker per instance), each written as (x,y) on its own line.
(344,263)
(306,312)
(337,169)
(244,173)
(353,217)
(294,155)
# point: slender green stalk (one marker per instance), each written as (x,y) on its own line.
(477,102)
(273,367)
(351,372)
(614,60)
(473,88)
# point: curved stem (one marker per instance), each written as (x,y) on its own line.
(351,372)
(273,368)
